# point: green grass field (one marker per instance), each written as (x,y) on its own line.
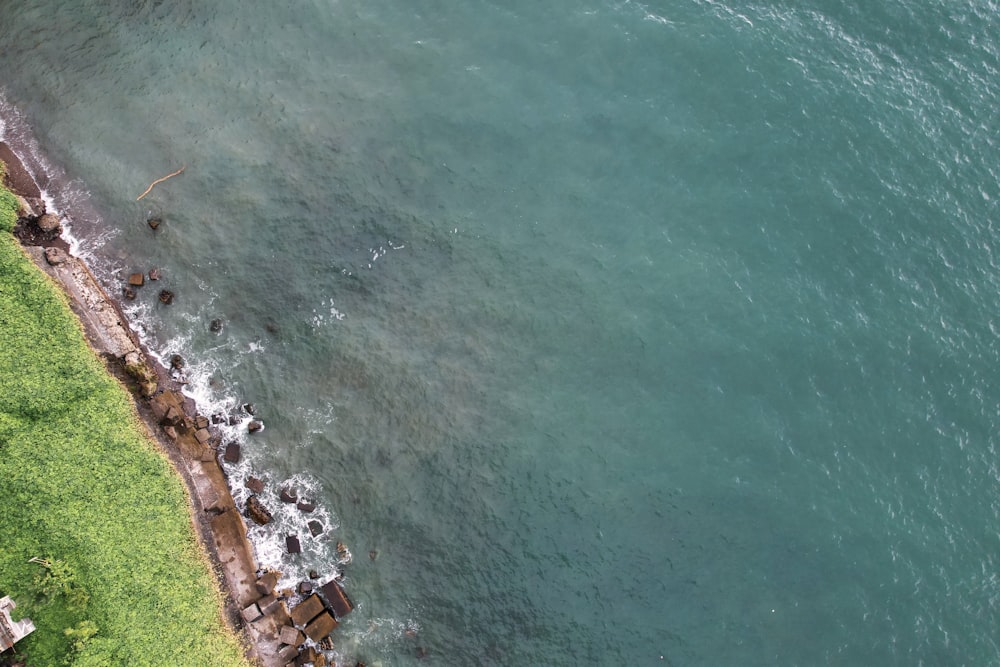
(83,490)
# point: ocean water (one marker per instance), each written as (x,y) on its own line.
(619,332)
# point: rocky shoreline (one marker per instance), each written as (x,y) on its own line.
(275,635)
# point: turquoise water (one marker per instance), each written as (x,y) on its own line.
(623,333)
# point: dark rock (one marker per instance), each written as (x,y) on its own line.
(256,511)
(306,506)
(166,296)
(373,554)
(232,454)
(129,292)
(215,326)
(313,574)
(154,274)
(305,588)
(288,495)
(154,221)
(176,362)
(315,528)
(218,418)
(136,280)
(255,426)
(337,598)
(250,409)
(292,544)
(48,223)
(56,256)
(255,485)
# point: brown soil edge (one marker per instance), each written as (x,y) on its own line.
(214,516)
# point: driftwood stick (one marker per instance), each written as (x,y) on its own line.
(159,180)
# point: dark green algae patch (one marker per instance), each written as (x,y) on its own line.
(96,541)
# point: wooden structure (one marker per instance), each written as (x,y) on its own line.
(12,631)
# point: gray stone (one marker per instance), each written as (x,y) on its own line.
(48,223)
(56,256)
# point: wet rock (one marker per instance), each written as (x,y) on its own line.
(215,326)
(176,362)
(56,256)
(288,495)
(255,485)
(292,544)
(306,506)
(232,454)
(154,274)
(257,512)
(136,280)
(313,574)
(305,587)
(250,409)
(166,296)
(218,418)
(255,426)
(315,528)
(129,293)
(154,221)
(48,223)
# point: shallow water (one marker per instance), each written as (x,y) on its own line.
(619,331)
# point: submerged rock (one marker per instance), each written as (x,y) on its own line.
(215,326)
(306,506)
(288,495)
(154,274)
(166,296)
(154,221)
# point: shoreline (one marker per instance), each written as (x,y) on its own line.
(251,606)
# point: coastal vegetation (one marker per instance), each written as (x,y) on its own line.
(96,540)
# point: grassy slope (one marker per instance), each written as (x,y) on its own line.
(81,486)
